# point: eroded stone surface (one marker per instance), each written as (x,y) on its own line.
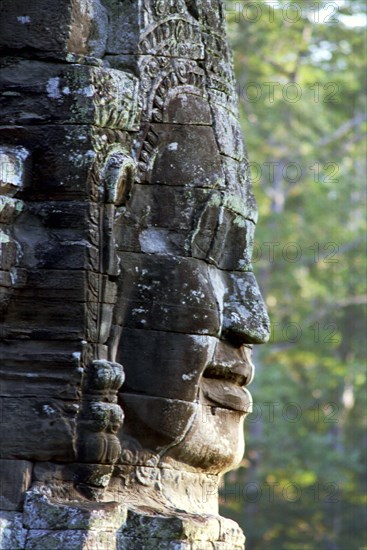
(50,523)
(15,479)
(12,532)
(42,513)
(33,92)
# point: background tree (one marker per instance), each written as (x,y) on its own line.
(301,83)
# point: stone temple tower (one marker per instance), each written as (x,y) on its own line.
(128,303)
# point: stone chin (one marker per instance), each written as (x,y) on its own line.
(196,436)
(215,441)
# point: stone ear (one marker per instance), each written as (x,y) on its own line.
(99,410)
(118,175)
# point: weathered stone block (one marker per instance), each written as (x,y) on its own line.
(53,474)
(73,285)
(42,512)
(238,182)
(54,249)
(143,229)
(66,159)
(14,171)
(45,93)
(187,155)
(57,319)
(231,533)
(171,90)
(43,368)
(73,215)
(211,16)
(166,30)
(15,479)
(59,28)
(9,208)
(159,422)
(133,543)
(12,533)
(155,527)
(228,133)
(245,309)
(49,422)
(78,321)
(179,532)
(162,292)
(42,539)
(8,250)
(223,236)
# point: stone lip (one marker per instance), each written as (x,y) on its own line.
(227,394)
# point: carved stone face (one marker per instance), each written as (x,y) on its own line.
(189,305)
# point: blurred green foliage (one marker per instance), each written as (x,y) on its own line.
(302,95)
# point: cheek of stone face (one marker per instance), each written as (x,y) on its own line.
(156,422)
(166,293)
(210,439)
(164,364)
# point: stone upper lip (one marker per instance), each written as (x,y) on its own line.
(223,383)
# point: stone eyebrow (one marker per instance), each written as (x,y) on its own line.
(237,205)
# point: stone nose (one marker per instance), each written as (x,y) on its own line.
(245,319)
